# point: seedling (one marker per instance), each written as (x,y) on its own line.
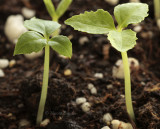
(35,40)
(57,13)
(61,9)
(101,22)
(157,9)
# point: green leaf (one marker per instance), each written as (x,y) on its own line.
(44,27)
(62,7)
(129,13)
(99,22)
(50,8)
(62,45)
(122,41)
(30,42)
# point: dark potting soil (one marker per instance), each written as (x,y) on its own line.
(21,87)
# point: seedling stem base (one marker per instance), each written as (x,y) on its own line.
(44,86)
(128,97)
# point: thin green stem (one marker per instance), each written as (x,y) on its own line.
(157,9)
(55,18)
(55,33)
(128,97)
(44,86)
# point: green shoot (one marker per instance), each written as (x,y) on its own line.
(157,9)
(61,9)
(57,13)
(35,40)
(122,39)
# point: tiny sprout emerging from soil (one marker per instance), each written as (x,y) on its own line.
(122,39)
(57,13)
(34,41)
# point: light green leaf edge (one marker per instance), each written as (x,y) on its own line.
(29,42)
(122,41)
(99,22)
(45,27)
(50,8)
(62,7)
(62,45)
(130,13)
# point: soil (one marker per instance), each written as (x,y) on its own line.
(21,87)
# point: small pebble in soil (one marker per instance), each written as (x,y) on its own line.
(28,13)
(63,26)
(4,63)
(1,73)
(90,86)
(93,91)
(45,122)
(83,40)
(134,64)
(11,116)
(117,70)
(105,127)
(34,55)
(81,56)
(12,63)
(137,28)
(116,124)
(21,105)
(98,75)
(122,96)
(137,1)
(110,86)
(67,72)
(146,35)
(86,107)
(112,2)
(107,118)
(23,123)
(70,37)
(143,83)
(14,22)
(80,100)
(158,23)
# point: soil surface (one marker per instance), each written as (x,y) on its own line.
(21,87)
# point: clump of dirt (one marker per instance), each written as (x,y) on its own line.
(150,107)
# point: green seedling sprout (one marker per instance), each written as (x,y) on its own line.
(57,13)
(61,9)
(122,39)
(35,40)
(157,9)
(40,27)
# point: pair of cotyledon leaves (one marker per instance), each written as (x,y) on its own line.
(39,36)
(62,7)
(101,22)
